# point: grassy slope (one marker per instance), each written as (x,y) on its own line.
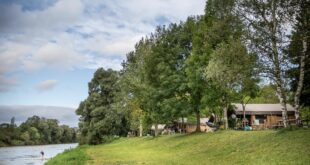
(75,156)
(223,147)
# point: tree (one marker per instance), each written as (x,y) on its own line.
(266,22)
(228,70)
(155,73)
(101,115)
(35,130)
(248,91)
(217,26)
(266,95)
(166,67)
(195,63)
(298,52)
(34,135)
(134,86)
(305,114)
(25,137)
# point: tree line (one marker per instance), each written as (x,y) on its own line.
(237,52)
(35,131)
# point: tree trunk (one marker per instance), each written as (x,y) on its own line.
(197,121)
(140,128)
(156,129)
(225,117)
(276,62)
(300,81)
(182,126)
(282,99)
(243,109)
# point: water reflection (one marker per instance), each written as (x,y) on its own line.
(30,155)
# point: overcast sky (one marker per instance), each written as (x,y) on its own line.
(50,49)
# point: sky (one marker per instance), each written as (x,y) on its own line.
(49,49)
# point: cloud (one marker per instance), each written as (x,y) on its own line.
(40,22)
(64,115)
(79,34)
(7,83)
(55,56)
(46,85)
(11,56)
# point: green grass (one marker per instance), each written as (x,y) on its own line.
(222,147)
(75,156)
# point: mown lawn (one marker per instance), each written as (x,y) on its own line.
(222,147)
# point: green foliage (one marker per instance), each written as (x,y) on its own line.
(305,114)
(36,130)
(266,95)
(230,65)
(231,68)
(154,76)
(295,49)
(101,113)
(25,136)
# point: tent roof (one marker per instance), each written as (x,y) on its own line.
(262,108)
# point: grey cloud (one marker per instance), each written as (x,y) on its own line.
(46,85)
(30,5)
(58,16)
(7,83)
(21,112)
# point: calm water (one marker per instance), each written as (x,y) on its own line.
(30,155)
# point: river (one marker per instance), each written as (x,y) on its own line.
(30,155)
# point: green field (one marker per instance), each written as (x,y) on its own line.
(222,147)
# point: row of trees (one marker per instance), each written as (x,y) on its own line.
(203,65)
(36,130)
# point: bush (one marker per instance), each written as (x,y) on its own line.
(290,128)
(17,143)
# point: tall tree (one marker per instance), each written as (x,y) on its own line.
(155,73)
(134,85)
(217,26)
(100,113)
(267,22)
(166,67)
(228,70)
(195,63)
(298,53)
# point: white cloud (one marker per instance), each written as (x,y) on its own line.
(55,56)
(72,34)
(46,85)
(11,56)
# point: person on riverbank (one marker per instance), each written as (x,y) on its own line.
(42,154)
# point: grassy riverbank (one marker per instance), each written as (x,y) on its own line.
(223,147)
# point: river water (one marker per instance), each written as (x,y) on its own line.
(30,155)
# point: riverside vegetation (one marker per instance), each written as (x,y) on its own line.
(35,131)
